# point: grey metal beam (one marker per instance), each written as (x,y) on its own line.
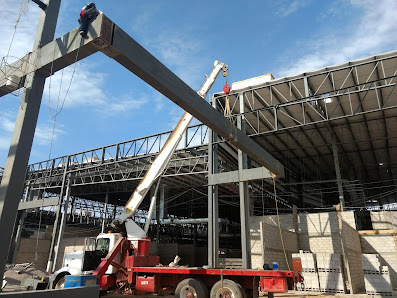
(244,195)
(235,176)
(135,58)
(55,228)
(57,54)
(105,210)
(213,200)
(38,203)
(63,223)
(338,174)
(12,183)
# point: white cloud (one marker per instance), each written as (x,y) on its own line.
(25,32)
(288,7)
(373,33)
(43,134)
(84,87)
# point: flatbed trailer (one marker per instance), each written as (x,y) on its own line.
(140,273)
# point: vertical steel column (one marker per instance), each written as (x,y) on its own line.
(63,222)
(12,183)
(105,210)
(162,204)
(338,174)
(17,239)
(213,225)
(55,228)
(244,194)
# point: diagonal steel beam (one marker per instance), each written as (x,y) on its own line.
(107,37)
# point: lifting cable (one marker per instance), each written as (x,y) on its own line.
(278,220)
(22,10)
(227,111)
(54,117)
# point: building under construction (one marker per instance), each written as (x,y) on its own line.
(326,196)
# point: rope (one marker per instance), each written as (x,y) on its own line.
(59,95)
(278,219)
(22,10)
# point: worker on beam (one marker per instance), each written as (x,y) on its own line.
(87,14)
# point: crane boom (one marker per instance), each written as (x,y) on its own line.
(163,158)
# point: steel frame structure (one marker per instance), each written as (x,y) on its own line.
(297,119)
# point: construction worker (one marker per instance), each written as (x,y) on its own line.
(87,14)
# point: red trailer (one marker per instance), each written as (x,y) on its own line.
(138,273)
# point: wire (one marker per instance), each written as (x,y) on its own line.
(278,220)
(59,95)
(22,10)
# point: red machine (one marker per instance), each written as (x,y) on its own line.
(134,270)
(138,274)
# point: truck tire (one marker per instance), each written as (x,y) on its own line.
(195,287)
(59,282)
(230,288)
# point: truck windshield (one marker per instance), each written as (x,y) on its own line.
(102,244)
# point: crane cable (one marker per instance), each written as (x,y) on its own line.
(227,111)
(278,220)
(22,10)
(54,118)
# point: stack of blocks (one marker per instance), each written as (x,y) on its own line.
(376,277)
(330,273)
(309,271)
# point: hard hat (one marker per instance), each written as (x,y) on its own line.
(90,4)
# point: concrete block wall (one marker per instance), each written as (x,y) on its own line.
(319,232)
(352,248)
(384,220)
(28,253)
(385,246)
(266,245)
(256,241)
(69,245)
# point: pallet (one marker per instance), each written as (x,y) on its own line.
(334,291)
(309,270)
(329,270)
(372,293)
(372,272)
(310,289)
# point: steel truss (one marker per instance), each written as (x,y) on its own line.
(356,87)
(125,161)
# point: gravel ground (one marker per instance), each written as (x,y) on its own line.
(14,279)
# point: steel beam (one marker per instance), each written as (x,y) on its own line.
(39,203)
(13,180)
(56,55)
(244,195)
(239,176)
(63,223)
(213,203)
(337,171)
(107,37)
(135,58)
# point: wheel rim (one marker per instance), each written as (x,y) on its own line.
(225,293)
(189,292)
(61,283)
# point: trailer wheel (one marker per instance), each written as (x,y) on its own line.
(230,289)
(244,294)
(191,288)
(60,281)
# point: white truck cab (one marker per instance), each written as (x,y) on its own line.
(86,261)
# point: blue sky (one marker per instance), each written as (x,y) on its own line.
(107,104)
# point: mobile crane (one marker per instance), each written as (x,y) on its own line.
(125,261)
